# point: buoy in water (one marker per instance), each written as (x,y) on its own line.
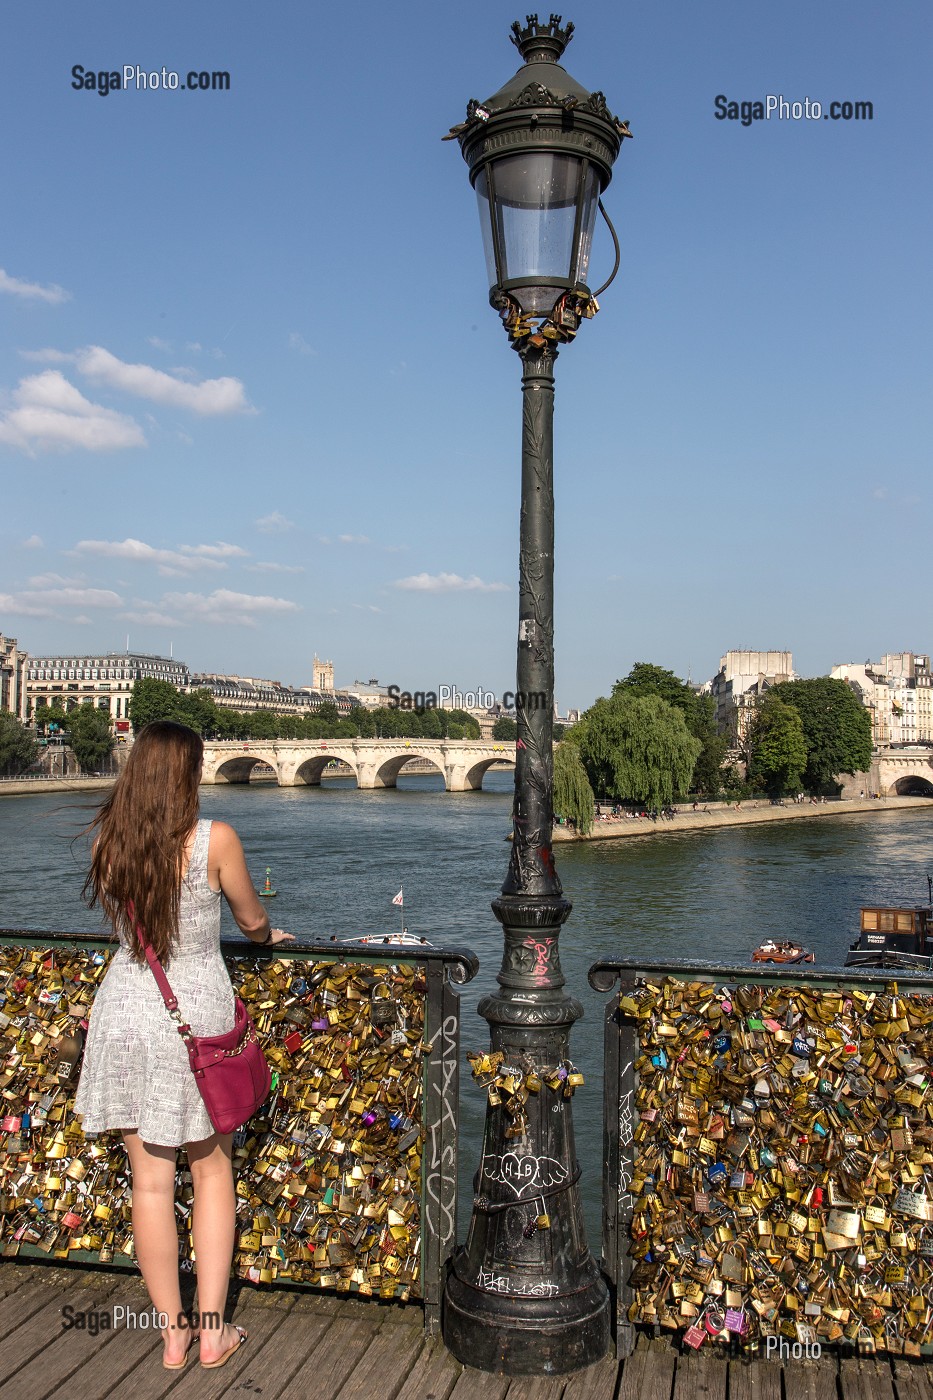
(267,892)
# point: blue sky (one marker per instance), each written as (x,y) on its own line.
(254,404)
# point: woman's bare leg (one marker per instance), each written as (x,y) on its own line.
(155,1235)
(213,1230)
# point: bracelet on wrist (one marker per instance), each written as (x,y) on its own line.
(264,942)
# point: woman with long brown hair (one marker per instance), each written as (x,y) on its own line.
(157,868)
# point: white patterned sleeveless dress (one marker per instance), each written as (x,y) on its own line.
(135,1072)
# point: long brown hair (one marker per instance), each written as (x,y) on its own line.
(141,832)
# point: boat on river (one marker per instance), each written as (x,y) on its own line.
(782,951)
(899,935)
(404,940)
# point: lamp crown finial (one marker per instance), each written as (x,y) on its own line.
(541,43)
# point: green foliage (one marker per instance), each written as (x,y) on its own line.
(636,747)
(777,749)
(573,796)
(733,784)
(91,739)
(698,712)
(505,730)
(18,749)
(47,715)
(836,727)
(153,700)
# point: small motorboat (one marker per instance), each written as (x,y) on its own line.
(782,951)
(403,939)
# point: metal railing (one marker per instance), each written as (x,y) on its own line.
(371,1178)
(828,1170)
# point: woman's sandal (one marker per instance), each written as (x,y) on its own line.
(222,1360)
(180,1365)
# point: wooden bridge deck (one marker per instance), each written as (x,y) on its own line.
(304,1347)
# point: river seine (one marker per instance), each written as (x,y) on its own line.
(338,857)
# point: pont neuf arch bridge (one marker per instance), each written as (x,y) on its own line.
(375,762)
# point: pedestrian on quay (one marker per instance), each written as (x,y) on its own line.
(159,871)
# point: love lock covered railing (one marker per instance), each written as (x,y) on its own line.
(346,1178)
(769,1156)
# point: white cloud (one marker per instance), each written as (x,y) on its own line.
(269,567)
(296,341)
(34,542)
(226,607)
(45,602)
(274,524)
(158,343)
(448,583)
(187,559)
(366,607)
(48,356)
(210,398)
(49,413)
(55,581)
(353,539)
(32,291)
(151,617)
(220,550)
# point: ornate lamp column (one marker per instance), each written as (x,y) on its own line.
(525,1297)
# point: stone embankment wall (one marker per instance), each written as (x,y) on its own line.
(746,814)
(34,785)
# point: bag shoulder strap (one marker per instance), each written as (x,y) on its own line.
(158,972)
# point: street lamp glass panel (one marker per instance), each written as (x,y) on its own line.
(485,222)
(535,201)
(588,222)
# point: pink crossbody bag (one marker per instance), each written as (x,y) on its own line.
(230,1069)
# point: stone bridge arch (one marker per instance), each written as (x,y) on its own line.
(238,767)
(383,773)
(903,774)
(309,771)
(914,784)
(473,777)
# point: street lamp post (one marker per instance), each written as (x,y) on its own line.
(525,1296)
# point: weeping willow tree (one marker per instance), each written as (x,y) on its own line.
(573,796)
(637,748)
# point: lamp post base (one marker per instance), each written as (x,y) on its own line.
(524,1296)
(527,1336)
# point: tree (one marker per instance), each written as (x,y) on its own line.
(18,749)
(91,739)
(50,717)
(152,700)
(505,730)
(573,796)
(636,747)
(776,747)
(698,711)
(836,727)
(467,722)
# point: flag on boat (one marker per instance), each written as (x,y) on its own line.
(398,898)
